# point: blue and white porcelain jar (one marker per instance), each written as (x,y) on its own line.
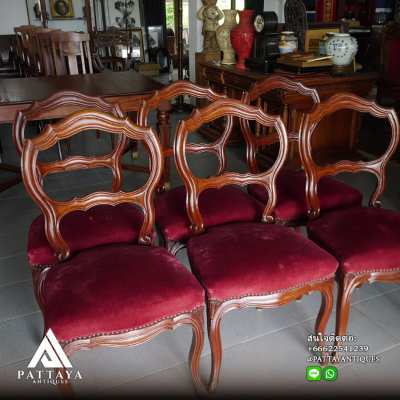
(342,47)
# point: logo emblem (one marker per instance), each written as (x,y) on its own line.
(50,353)
(313,373)
(330,373)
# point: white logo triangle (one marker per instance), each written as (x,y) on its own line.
(50,353)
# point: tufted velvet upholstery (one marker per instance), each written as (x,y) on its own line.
(236,260)
(217,206)
(83,230)
(292,205)
(361,238)
(115,288)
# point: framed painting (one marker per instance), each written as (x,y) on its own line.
(137,43)
(61,9)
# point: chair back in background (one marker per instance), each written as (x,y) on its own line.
(71,53)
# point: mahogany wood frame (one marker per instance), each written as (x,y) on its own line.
(315,172)
(347,282)
(194,186)
(75,101)
(54,211)
(255,94)
(161,101)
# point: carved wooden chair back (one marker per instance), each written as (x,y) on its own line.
(42,53)
(53,210)
(67,101)
(162,98)
(108,48)
(229,108)
(24,39)
(71,53)
(315,172)
(161,101)
(46,59)
(264,136)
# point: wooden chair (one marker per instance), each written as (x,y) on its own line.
(42,51)
(291,208)
(24,43)
(108,46)
(71,101)
(171,217)
(247,264)
(365,240)
(71,53)
(147,291)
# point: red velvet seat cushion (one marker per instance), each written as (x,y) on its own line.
(116,288)
(83,230)
(292,205)
(361,238)
(243,259)
(217,206)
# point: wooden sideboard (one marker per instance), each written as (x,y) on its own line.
(337,135)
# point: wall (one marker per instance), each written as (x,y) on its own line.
(277,6)
(12,16)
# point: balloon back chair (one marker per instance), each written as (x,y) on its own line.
(365,240)
(115,288)
(60,103)
(248,264)
(291,208)
(229,204)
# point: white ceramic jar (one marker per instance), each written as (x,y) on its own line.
(342,47)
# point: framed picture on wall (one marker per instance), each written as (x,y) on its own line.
(137,43)
(156,39)
(61,9)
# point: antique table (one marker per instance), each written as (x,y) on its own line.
(335,138)
(127,88)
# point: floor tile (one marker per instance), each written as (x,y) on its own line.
(384,310)
(20,338)
(366,331)
(14,269)
(17,300)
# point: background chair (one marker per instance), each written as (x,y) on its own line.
(70,100)
(71,53)
(229,204)
(147,291)
(291,208)
(248,264)
(365,240)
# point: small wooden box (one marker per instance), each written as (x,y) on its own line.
(148,69)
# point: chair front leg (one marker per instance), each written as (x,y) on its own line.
(346,285)
(196,348)
(214,334)
(326,308)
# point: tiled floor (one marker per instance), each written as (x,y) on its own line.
(264,352)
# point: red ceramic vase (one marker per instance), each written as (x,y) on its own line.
(242,37)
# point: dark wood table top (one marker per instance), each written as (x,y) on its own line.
(128,88)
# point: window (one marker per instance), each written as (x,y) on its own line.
(227,4)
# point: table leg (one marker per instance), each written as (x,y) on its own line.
(164,128)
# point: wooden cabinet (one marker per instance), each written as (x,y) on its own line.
(336,136)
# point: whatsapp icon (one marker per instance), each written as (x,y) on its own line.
(330,373)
